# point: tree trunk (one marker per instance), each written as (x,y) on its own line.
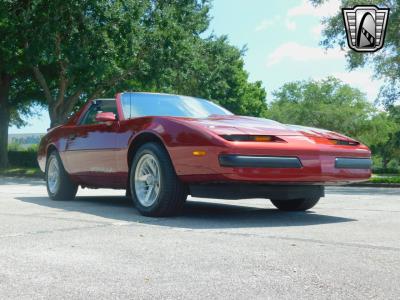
(385,162)
(58,115)
(4,119)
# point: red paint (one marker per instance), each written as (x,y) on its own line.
(97,155)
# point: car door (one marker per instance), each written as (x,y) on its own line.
(91,148)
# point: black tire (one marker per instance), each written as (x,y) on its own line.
(296,204)
(172,192)
(66,189)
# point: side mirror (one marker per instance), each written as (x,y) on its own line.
(106,117)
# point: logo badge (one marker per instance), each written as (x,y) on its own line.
(365,27)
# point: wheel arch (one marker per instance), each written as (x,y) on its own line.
(141,139)
(50,148)
(43,154)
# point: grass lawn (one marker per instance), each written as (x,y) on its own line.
(25,172)
(382,178)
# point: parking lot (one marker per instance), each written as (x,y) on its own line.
(98,246)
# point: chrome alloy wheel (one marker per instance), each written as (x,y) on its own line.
(53,175)
(147,180)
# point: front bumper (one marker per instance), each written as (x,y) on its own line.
(285,162)
(353,163)
(247,161)
(270,163)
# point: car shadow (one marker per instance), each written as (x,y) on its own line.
(196,214)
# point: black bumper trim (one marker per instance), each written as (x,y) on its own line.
(246,161)
(353,163)
(236,191)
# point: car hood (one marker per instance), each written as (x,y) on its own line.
(227,125)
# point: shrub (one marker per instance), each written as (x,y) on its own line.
(24,158)
(386,171)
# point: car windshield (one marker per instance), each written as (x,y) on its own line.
(136,105)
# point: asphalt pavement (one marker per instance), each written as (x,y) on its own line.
(99,247)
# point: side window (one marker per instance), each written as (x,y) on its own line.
(90,117)
(126,102)
(97,107)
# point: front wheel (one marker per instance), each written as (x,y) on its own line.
(59,185)
(155,188)
(296,204)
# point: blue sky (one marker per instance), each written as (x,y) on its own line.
(282,38)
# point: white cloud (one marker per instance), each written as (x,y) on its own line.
(296,52)
(267,23)
(316,31)
(327,9)
(361,79)
(291,25)
(305,8)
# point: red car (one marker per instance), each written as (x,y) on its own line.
(161,148)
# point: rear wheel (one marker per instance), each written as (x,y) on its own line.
(59,185)
(296,204)
(155,188)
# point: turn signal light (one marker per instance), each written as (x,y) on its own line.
(199,153)
(263,138)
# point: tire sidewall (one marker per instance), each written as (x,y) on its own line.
(156,152)
(52,156)
(301,204)
(67,189)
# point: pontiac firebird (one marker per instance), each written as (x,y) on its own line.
(161,148)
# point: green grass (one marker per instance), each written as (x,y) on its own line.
(385,179)
(25,172)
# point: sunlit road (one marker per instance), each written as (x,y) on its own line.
(99,247)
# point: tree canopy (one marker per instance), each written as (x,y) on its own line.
(93,48)
(328,104)
(17,89)
(384,61)
(65,52)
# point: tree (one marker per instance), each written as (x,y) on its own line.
(92,48)
(332,105)
(77,50)
(223,78)
(389,149)
(385,142)
(16,87)
(84,48)
(328,104)
(383,137)
(385,61)
(208,68)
